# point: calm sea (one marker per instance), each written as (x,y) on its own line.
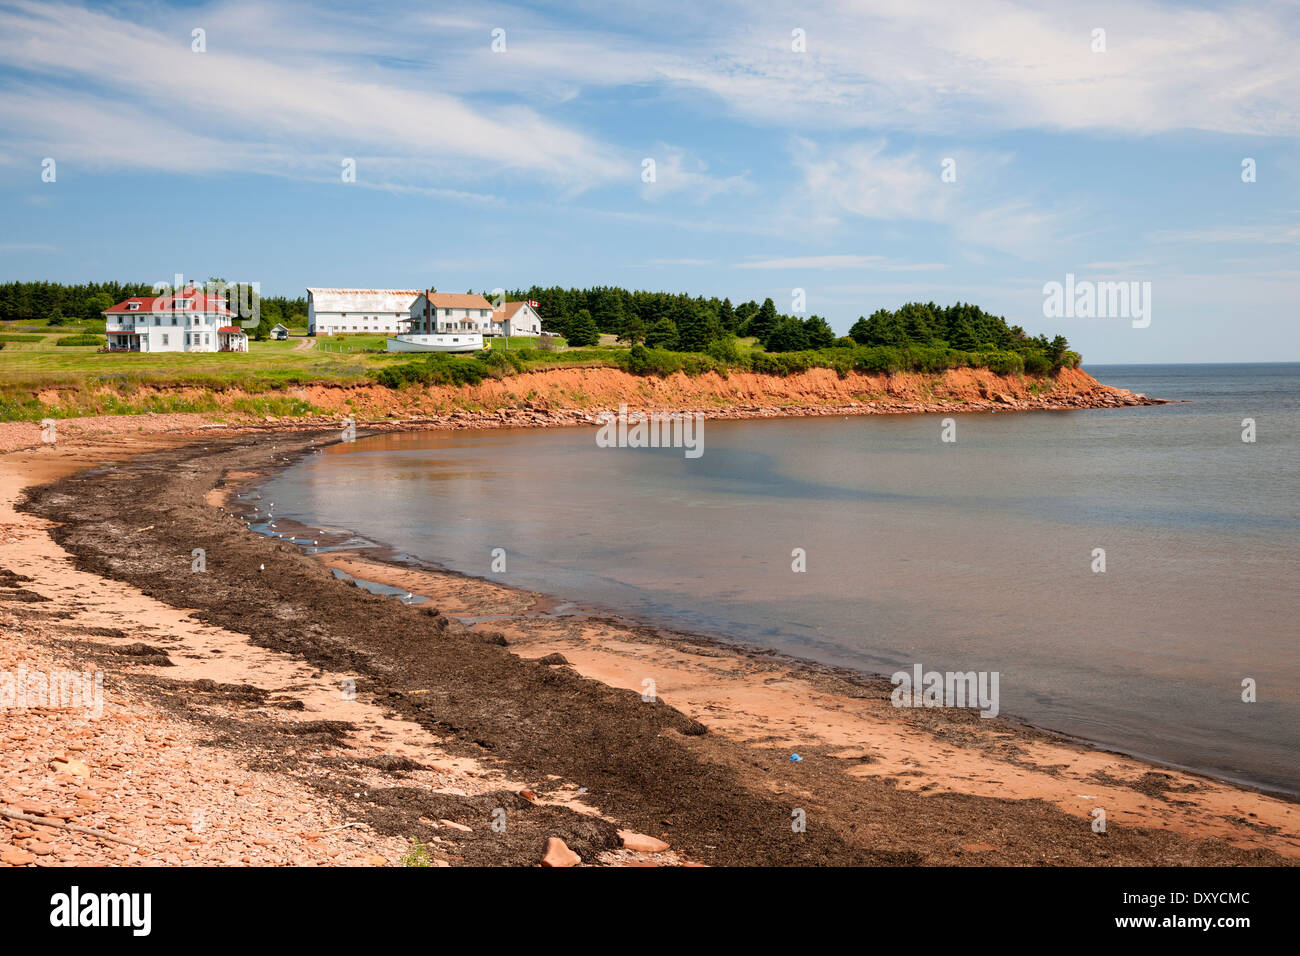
(971,555)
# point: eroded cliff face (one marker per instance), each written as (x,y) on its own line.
(563,396)
(594,389)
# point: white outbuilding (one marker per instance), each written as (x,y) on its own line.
(339,311)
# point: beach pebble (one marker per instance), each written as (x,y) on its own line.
(70,765)
(641,843)
(557,854)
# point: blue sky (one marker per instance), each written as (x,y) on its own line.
(775,169)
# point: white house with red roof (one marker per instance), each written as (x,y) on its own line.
(186,321)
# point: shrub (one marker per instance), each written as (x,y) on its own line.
(1003,363)
(503,362)
(435,369)
(1036,363)
(638,360)
(724,351)
(83,339)
(878,358)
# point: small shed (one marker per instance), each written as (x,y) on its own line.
(278,331)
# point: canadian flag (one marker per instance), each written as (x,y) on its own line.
(534,304)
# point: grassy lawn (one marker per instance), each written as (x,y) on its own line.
(35,361)
(525,341)
(343,344)
(30,359)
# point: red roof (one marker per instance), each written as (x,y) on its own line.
(231,328)
(188,300)
(143,304)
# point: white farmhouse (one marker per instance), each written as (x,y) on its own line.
(453,312)
(444,322)
(187,321)
(516,318)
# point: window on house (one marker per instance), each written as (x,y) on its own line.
(173,320)
(164,339)
(132,306)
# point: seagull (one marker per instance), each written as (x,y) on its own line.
(261,567)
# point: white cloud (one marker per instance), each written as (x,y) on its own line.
(843,261)
(1262,235)
(677,173)
(1010,64)
(157,105)
(864,180)
(903,65)
(1118,265)
(981,211)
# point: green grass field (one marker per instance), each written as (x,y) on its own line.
(31,360)
(524,342)
(34,360)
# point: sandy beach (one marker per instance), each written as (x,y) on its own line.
(266,711)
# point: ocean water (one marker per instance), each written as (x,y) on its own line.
(971,555)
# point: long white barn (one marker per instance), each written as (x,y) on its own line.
(338,311)
(410,311)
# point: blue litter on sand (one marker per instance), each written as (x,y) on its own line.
(795,758)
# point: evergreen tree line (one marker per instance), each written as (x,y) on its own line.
(61,304)
(666,320)
(38,301)
(683,323)
(963,328)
